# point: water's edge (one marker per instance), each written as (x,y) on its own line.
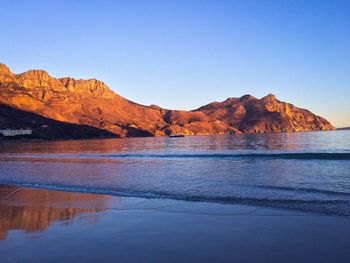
(319,207)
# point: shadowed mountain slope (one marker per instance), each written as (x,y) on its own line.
(45,128)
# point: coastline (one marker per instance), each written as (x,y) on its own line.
(36,139)
(90,227)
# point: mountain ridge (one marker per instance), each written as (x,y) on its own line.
(91,102)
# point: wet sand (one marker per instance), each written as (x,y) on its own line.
(53,226)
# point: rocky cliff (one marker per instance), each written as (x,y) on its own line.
(92,103)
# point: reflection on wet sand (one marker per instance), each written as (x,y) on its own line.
(33,210)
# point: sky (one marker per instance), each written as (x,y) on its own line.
(185,54)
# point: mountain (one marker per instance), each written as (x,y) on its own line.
(45,128)
(91,103)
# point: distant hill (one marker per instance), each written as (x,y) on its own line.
(90,103)
(343,128)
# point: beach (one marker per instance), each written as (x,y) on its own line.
(39,225)
(175,131)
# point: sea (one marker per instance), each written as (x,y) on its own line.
(306,171)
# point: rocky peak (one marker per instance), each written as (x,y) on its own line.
(93,86)
(4,68)
(229,99)
(246,97)
(96,86)
(6,75)
(154,106)
(36,74)
(269,97)
(37,78)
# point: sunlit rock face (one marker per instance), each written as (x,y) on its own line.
(92,103)
(251,115)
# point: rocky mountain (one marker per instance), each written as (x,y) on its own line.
(91,103)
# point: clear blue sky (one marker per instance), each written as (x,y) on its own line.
(183,54)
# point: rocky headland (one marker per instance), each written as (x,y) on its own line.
(52,107)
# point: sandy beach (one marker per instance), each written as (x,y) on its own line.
(55,226)
(175,131)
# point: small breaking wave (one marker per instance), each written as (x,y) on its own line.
(336,207)
(303,190)
(249,156)
(297,156)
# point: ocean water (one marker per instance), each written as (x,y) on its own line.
(307,172)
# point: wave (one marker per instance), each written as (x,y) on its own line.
(253,156)
(300,156)
(303,190)
(336,207)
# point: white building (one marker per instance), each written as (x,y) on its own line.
(9,132)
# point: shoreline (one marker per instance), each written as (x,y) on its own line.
(159,197)
(130,229)
(4,139)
